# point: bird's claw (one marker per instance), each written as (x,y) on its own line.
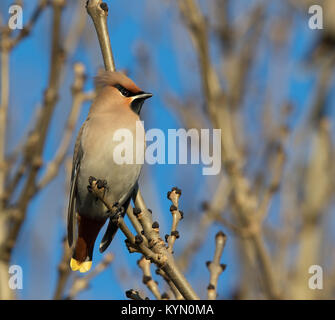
(91,180)
(101,184)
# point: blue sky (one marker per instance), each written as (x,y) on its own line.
(157,25)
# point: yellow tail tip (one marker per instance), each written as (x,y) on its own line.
(81,266)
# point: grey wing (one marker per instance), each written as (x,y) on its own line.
(108,236)
(72,207)
(71,215)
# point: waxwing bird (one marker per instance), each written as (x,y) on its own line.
(117,106)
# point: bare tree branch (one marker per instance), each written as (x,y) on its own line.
(177,215)
(13,226)
(134,295)
(214,267)
(245,201)
(98,11)
(25,31)
(78,97)
(151,284)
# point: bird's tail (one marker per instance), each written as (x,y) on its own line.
(88,230)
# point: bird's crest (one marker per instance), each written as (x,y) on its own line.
(112,78)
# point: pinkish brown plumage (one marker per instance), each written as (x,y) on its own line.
(110,78)
(116,106)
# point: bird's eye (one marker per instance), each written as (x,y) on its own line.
(123,90)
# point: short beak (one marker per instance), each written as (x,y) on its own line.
(138,100)
(142,95)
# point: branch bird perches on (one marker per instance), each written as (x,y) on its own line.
(156,250)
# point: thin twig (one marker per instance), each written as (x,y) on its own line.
(134,295)
(63,271)
(134,221)
(151,231)
(156,250)
(134,243)
(160,255)
(213,210)
(39,135)
(244,200)
(98,11)
(152,285)
(215,267)
(175,291)
(5,292)
(78,97)
(3,112)
(177,215)
(25,31)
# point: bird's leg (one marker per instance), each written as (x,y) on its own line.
(91,180)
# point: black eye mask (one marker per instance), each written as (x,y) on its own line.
(125,92)
(139,97)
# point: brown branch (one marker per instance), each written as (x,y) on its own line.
(76,29)
(214,267)
(22,151)
(238,64)
(134,221)
(26,30)
(160,255)
(175,291)
(151,284)
(177,215)
(98,11)
(151,231)
(39,135)
(63,271)
(317,194)
(5,292)
(212,212)
(244,200)
(134,243)
(277,172)
(3,112)
(156,250)
(78,97)
(134,295)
